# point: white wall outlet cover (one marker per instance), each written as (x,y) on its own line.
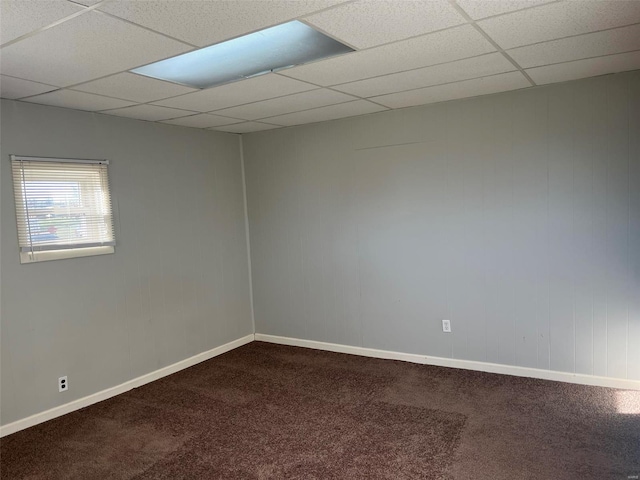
(446,326)
(63,384)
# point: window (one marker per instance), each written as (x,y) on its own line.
(63,208)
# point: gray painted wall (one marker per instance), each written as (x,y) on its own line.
(176,286)
(516,216)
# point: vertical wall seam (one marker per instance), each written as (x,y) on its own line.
(573,228)
(485,226)
(606,235)
(512,181)
(592,249)
(628,262)
(303,241)
(448,279)
(159,318)
(246,229)
(356,204)
(548,272)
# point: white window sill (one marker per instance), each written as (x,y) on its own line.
(45,256)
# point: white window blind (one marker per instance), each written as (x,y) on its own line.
(62,204)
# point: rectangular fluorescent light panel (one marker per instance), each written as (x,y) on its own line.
(275,48)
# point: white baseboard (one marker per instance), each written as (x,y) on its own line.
(453,363)
(118,389)
(331,347)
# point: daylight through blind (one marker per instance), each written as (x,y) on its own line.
(62,204)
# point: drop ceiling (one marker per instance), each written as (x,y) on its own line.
(78,54)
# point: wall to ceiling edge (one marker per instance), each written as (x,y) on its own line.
(516,216)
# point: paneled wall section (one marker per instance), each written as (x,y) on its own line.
(178,284)
(516,216)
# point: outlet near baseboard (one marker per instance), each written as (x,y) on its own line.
(446,326)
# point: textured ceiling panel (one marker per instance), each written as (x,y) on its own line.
(332,112)
(367,23)
(412,52)
(484,65)
(451,91)
(288,104)
(238,93)
(563,72)
(17,88)
(206,22)
(78,100)
(440,47)
(558,20)
(148,112)
(19,17)
(134,87)
(246,127)
(619,40)
(477,9)
(88,46)
(202,120)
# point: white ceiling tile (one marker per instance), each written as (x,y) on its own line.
(590,67)
(619,40)
(78,100)
(238,93)
(367,23)
(19,17)
(152,113)
(246,127)
(477,9)
(331,112)
(136,88)
(288,104)
(17,88)
(454,44)
(86,47)
(207,22)
(558,20)
(202,120)
(468,88)
(482,66)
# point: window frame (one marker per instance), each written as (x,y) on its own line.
(68,250)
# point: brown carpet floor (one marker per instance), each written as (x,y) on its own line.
(269,411)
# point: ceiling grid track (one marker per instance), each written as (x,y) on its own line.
(492,41)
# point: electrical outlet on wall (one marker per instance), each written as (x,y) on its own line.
(446,326)
(63,384)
